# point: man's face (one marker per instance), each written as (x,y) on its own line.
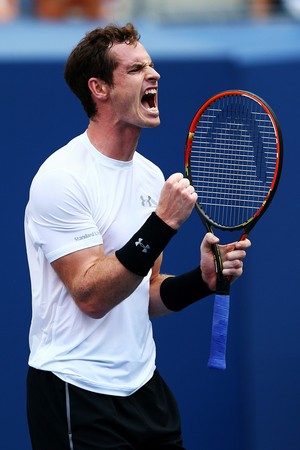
(134,94)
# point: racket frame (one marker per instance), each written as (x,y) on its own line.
(217,358)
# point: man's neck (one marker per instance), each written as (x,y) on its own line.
(113,141)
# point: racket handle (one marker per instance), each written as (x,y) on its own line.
(217,358)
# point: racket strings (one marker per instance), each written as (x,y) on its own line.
(233,160)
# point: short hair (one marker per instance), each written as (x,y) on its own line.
(91,58)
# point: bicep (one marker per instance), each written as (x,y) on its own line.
(96,282)
(72,268)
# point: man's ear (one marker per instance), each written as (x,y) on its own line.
(98,88)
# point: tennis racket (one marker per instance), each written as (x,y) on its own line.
(233,159)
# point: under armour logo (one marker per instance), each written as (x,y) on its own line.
(144,247)
(146,201)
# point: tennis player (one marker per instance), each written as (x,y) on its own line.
(97,221)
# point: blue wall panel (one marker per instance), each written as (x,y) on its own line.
(255,403)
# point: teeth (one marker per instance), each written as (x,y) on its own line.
(150,91)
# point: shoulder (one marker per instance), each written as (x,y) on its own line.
(70,156)
(144,163)
(70,162)
(63,177)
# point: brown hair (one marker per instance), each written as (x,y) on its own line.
(91,58)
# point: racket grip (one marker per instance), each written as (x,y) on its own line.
(217,358)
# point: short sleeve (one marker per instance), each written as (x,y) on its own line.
(59,214)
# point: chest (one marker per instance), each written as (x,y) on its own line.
(122,201)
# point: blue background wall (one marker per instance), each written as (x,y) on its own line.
(255,403)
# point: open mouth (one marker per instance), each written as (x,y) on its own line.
(149,99)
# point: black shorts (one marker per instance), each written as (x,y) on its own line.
(62,416)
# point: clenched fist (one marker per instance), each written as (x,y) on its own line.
(177,200)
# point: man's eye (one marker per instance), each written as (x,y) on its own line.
(135,69)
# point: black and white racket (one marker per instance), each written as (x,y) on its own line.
(233,159)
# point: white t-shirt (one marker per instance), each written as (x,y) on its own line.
(80,198)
